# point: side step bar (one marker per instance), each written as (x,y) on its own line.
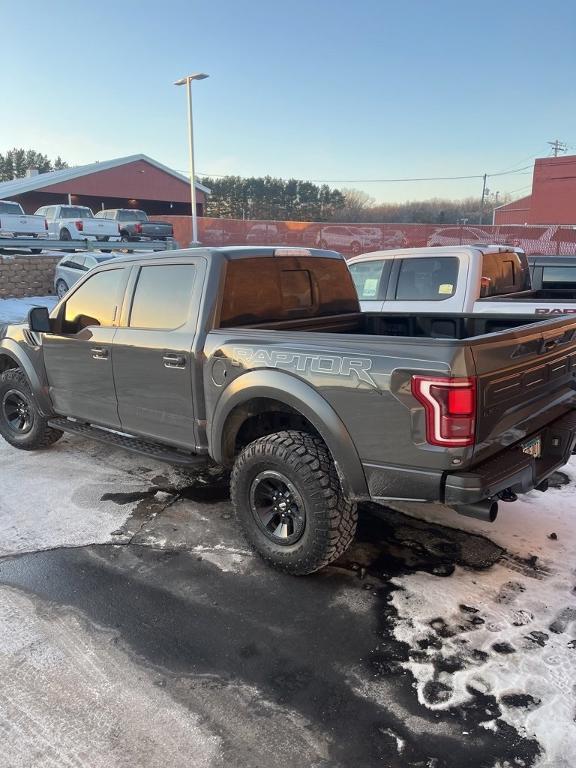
(154,450)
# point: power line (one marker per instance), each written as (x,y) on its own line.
(387,181)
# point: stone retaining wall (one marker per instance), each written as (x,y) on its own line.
(27,275)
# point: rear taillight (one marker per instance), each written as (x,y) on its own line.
(46,224)
(138,228)
(450,406)
(79,226)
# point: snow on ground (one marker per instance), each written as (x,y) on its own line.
(510,631)
(16,310)
(70,494)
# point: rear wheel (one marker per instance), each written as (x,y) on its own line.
(61,289)
(126,239)
(65,235)
(289,501)
(21,422)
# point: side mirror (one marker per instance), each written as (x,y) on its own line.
(39,320)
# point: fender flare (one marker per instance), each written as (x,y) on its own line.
(303,398)
(13,350)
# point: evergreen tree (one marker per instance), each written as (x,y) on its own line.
(15,163)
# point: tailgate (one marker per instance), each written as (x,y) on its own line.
(526,378)
(100,227)
(152,228)
(22,223)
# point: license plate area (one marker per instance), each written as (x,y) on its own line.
(533,447)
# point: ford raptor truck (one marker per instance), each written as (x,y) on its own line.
(259,359)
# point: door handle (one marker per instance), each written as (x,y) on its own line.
(174,361)
(99,353)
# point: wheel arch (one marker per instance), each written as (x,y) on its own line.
(12,356)
(244,398)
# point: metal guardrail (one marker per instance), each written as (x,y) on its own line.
(46,244)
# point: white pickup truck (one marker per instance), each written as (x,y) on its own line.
(470,279)
(15,223)
(77,222)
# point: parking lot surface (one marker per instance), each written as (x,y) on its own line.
(136,629)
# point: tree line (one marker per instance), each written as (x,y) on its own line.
(15,162)
(270,198)
(294,200)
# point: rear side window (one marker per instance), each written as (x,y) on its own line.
(429,279)
(95,302)
(367,276)
(162,297)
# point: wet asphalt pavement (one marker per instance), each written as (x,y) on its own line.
(276,670)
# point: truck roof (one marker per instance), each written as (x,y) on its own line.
(434,250)
(232,253)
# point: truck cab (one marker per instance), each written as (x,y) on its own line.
(450,279)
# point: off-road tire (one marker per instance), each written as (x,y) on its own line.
(331,518)
(40,435)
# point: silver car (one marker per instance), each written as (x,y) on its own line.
(71,267)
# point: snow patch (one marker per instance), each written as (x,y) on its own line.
(507,632)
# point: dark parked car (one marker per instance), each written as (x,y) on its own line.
(135,225)
(260,359)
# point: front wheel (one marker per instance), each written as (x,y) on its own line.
(21,422)
(289,501)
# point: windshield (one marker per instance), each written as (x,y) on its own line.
(75,212)
(14,208)
(132,216)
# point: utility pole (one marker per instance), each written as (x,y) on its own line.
(483,197)
(557,146)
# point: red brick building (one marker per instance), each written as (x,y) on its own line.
(553,198)
(136,181)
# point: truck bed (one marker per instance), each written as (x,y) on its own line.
(433,325)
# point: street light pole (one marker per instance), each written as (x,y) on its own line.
(188,82)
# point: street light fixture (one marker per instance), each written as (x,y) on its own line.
(188,82)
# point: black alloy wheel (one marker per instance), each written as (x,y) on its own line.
(277,507)
(17,412)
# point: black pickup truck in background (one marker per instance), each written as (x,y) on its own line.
(261,359)
(135,225)
(553,273)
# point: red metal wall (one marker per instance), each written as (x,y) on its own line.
(517,212)
(553,198)
(138,180)
(554,191)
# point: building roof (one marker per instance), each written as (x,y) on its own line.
(514,204)
(31,183)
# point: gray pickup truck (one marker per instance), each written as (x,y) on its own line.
(261,360)
(135,226)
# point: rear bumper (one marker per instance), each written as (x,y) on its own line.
(512,468)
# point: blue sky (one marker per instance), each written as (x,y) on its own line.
(324,89)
